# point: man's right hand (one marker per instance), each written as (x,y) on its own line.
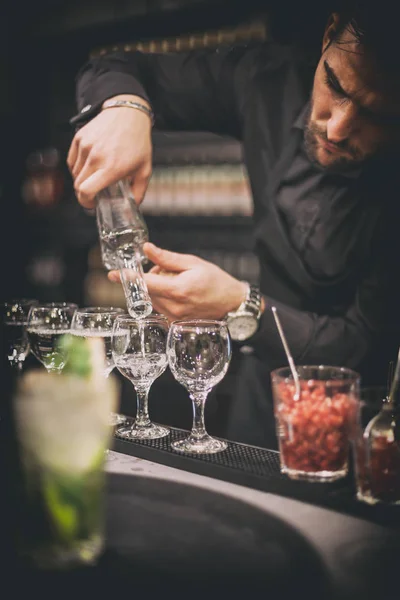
(114,145)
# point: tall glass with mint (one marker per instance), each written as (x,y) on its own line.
(63,429)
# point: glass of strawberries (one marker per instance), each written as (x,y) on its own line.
(313,421)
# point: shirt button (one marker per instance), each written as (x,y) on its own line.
(86,108)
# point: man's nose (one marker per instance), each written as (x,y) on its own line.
(341,123)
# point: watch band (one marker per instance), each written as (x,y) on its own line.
(252,302)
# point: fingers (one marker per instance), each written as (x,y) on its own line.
(84,171)
(113,145)
(160,304)
(139,184)
(158,285)
(114,276)
(162,308)
(156,270)
(160,271)
(161,286)
(95,182)
(78,153)
(73,153)
(90,180)
(169,261)
(79,162)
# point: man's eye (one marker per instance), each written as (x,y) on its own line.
(333,86)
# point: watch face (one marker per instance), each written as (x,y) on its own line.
(241,327)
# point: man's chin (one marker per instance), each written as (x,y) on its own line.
(325,159)
(328,162)
(328,159)
(319,157)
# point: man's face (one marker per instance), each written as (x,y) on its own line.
(351,117)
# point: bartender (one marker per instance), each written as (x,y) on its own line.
(320,144)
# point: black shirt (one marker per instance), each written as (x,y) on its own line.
(327,243)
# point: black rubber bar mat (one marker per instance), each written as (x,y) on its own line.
(258,468)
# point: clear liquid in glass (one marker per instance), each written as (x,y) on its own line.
(121,249)
(44,345)
(124,240)
(142,369)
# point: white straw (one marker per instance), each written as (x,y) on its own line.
(287,351)
(395,381)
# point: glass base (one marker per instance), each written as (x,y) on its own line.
(206,445)
(365,497)
(317,476)
(136,432)
(60,557)
(370,499)
(117,419)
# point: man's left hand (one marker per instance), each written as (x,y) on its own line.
(183,286)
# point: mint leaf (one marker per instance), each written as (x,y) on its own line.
(64,518)
(78,352)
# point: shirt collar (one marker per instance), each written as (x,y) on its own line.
(300,123)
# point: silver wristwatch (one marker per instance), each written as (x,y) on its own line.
(243,322)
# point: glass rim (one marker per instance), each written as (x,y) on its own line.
(14,302)
(150,318)
(45,305)
(198,322)
(100,310)
(350,373)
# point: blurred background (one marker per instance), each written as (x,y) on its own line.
(198,200)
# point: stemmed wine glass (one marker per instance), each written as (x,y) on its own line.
(46,324)
(139,350)
(15,317)
(98,321)
(199,353)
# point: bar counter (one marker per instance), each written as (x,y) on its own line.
(357,555)
(228,525)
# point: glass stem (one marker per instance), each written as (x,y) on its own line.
(198,430)
(142,410)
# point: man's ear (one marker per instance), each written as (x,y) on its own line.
(330,31)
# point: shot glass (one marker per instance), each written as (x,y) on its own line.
(376,458)
(313,429)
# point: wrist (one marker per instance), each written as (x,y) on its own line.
(238,297)
(126,97)
(141,106)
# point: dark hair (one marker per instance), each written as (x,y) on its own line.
(374,25)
